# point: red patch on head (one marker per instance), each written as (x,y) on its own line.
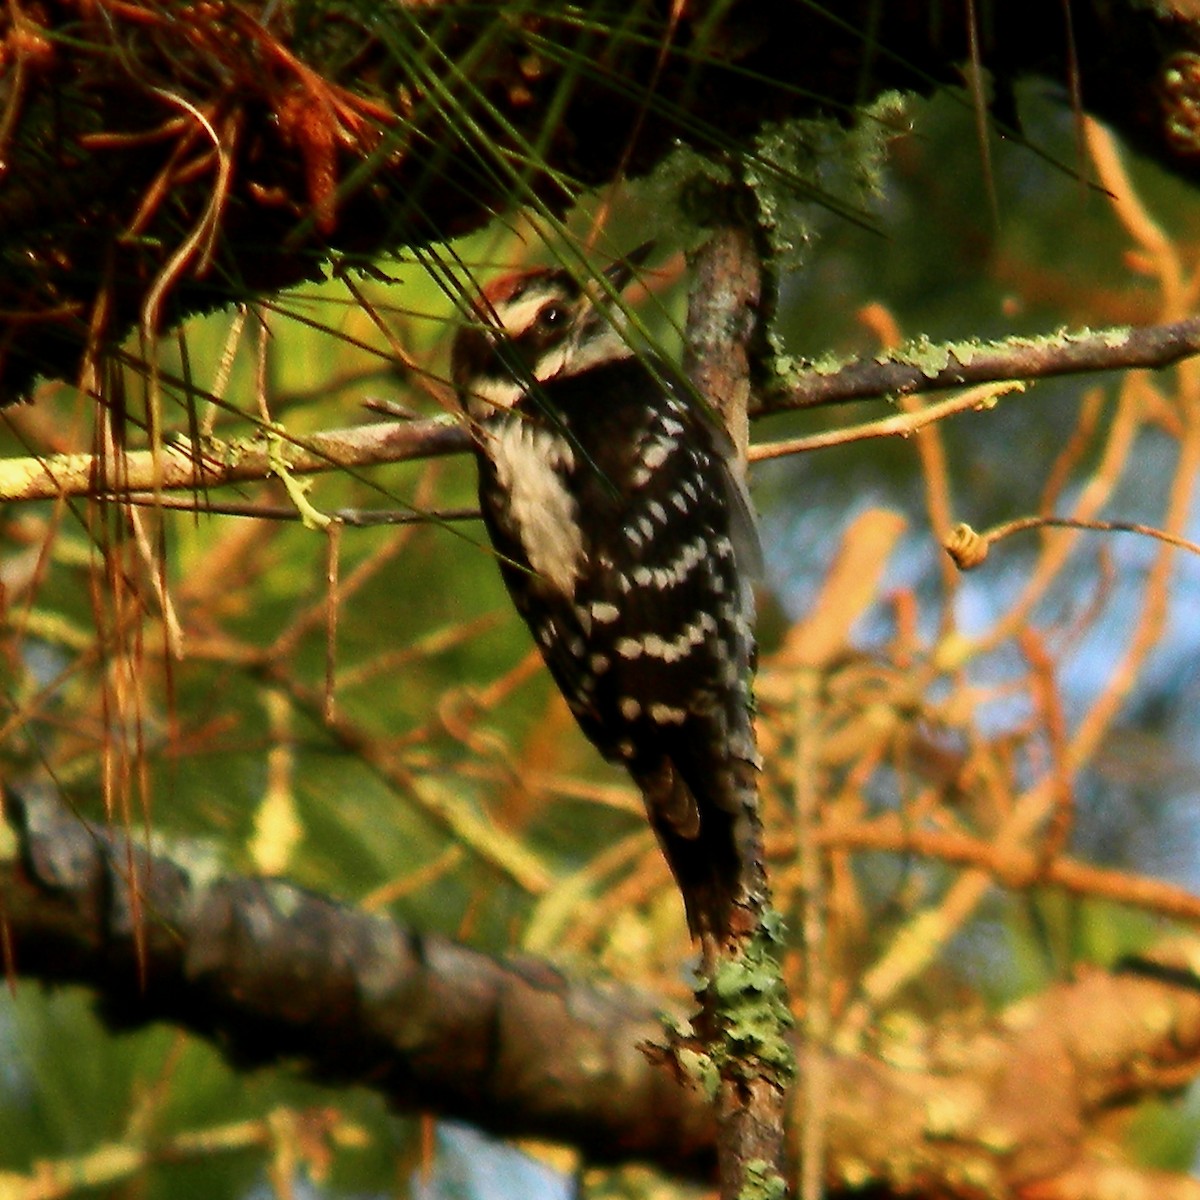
(508,287)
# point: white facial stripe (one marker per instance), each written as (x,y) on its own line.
(550,365)
(585,349)
(606,346)
(491,395)
(516,317)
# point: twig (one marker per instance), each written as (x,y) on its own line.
(901,425)
(969,548)
(1015,866)
(352,518)
(1120,438)
(188,468)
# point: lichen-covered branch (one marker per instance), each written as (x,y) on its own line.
(923,367)
(745,1020)
(927,366)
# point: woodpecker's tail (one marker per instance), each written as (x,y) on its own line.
(713,849)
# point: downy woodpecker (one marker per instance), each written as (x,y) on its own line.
(626,540)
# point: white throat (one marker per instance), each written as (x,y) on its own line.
(530,466)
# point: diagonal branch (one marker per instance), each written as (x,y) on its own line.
(279,976)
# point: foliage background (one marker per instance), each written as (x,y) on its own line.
(442,716)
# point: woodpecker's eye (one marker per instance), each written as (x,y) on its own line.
(552,316)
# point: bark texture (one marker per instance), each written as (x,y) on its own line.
(971,1106)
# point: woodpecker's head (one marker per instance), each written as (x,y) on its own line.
(535,326)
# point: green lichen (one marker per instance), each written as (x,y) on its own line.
(701,1069)
(762,1182)
(931,358)
(788,371)
(693,1062)
(795,165)
(796,168)
(682,198)
(751,1008)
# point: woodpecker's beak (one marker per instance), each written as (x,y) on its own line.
(623,271)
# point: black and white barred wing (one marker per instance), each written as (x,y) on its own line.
(669,596)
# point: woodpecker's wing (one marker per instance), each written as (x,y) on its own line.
(665,600)
(679,685)
(704,428)
(743,526)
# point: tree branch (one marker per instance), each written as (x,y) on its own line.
(241,155)
(920,367)
(182,467)
(276,975)
(927,367)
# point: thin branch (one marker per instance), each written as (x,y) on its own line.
(187,468)
(353,518)
(901,425)
(926,367)
(969,548)
(1017,867)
